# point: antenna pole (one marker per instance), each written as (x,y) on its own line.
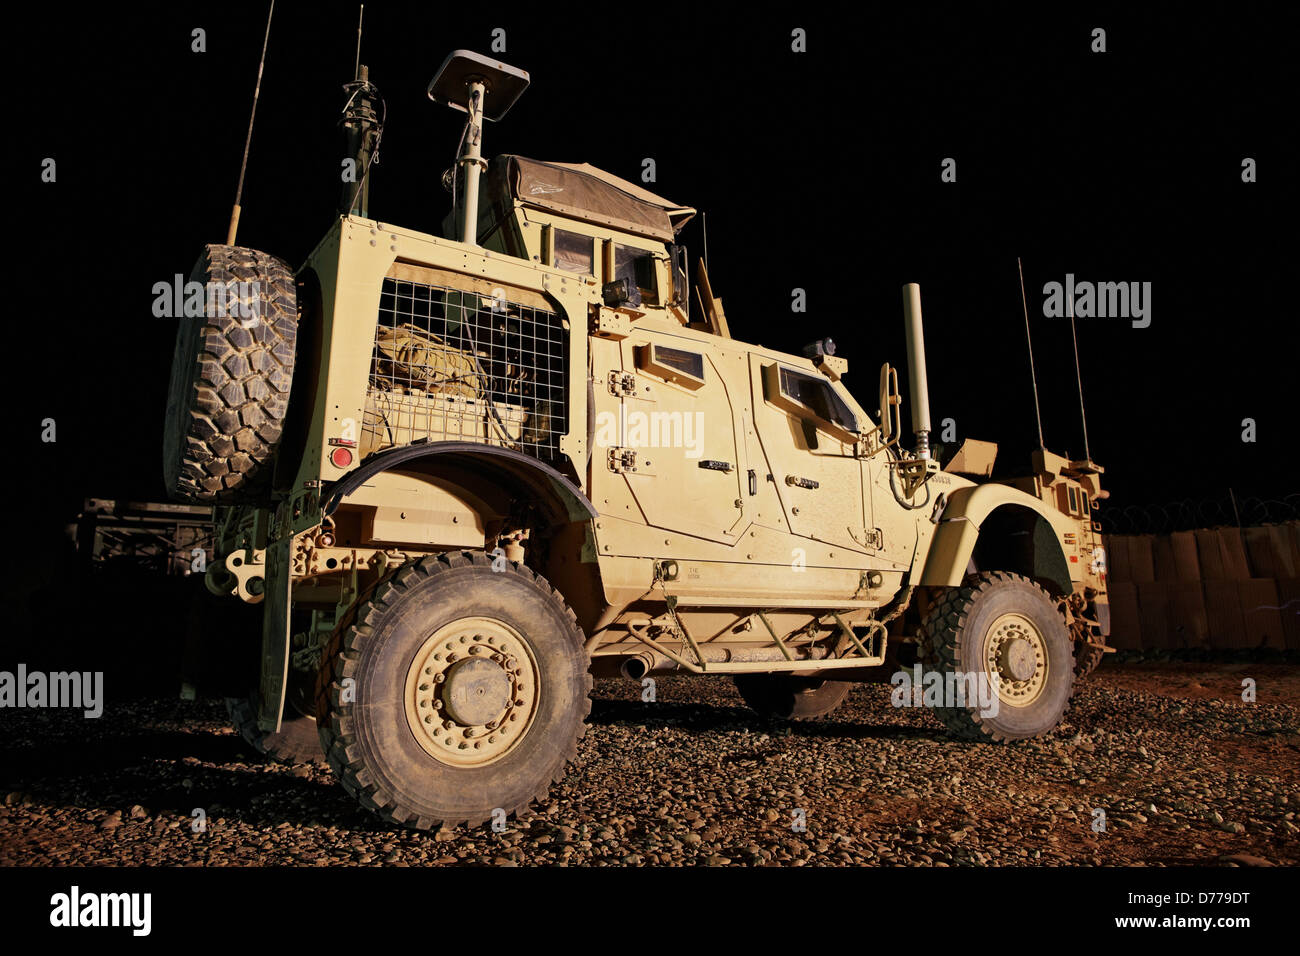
(471,161)
(257,89)
(1038,415)
(356,66)
(1078,374)
(704,218)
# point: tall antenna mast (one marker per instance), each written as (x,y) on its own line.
(704,218)
(356,66)
(1078,374)
(257,89)
(1038,415)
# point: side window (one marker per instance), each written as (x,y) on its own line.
(574,253)
(800,393)
(674,365)
(638,267)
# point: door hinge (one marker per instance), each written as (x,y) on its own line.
(622,459)
(622,384)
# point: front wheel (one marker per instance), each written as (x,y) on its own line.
(1003,658)
(454,692)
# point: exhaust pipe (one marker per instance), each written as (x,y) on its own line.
(916,368)
(634,668)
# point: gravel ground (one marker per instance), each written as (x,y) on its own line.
(1184,770)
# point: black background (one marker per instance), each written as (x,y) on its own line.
(818,170)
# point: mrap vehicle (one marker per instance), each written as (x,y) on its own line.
(460,474)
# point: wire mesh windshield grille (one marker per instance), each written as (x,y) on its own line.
(451,365)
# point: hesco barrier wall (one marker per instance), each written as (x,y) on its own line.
(1213,588)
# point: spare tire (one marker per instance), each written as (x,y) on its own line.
(230,378)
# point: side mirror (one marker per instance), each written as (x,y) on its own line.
(891,415)
(677,268)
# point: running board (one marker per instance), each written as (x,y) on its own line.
(862,654)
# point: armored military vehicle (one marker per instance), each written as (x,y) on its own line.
(463,473)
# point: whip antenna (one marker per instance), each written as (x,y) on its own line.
(1032,376)
(257,89)
(1078,374)
(356,66)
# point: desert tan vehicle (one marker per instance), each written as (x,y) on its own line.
(463,473)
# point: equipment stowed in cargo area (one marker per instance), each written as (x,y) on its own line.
(455,365)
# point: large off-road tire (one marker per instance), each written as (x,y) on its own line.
(786,697)
(1004,625)
(296,741)
(401,684)
(230,378)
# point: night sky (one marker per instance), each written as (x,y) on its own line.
(818,170)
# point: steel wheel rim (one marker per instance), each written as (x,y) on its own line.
(451,689)
(1012,641)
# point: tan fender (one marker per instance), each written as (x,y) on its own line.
(966,512)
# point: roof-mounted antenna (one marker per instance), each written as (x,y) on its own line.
(1078,374)
(364,115)
(356,65)
(465,81)
(1038,415)
(257,89)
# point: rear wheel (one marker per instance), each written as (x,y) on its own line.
(454,692)
(786,697)
(295,742)
(999,637)
(1086,658)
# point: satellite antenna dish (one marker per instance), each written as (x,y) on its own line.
(468,82)
(453,84)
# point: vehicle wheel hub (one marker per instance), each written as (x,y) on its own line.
(471,692)
(475,691)
(1016,659)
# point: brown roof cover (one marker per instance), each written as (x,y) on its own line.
(582,191)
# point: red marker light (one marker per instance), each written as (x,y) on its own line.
(341,457)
